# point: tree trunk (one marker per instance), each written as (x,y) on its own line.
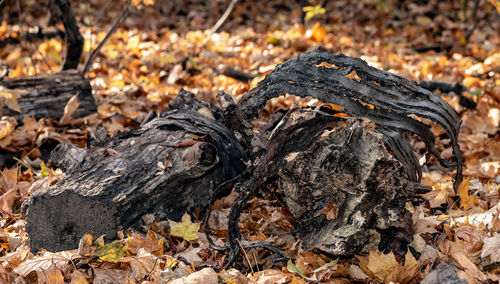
(46,95)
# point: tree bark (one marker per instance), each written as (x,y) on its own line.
(46,95)
(168,166)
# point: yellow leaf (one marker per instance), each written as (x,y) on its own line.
(312,11)
(495,3)
(44,170)
(111,252)
(206,112)
(185,229)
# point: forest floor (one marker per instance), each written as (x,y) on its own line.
(167,46)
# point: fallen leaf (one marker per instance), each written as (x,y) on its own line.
(316,32)
(205,276)
(9,98)
(379,265)
(141,264)
(312,11)
(291,267)
(7,126)
(8,199)
(111,252)
(53,275)
(466,201)
(70,110)
(45,261)
(491,248)
(184,229)
(191,254)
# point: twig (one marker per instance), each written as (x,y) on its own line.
(246,255)
(224,17)
(475,20)
(125,13)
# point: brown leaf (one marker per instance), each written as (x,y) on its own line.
(70,110)
(85,245)
(8,199)
(9,98)
(53,275)
(7,126)
(378,264)
(457,253)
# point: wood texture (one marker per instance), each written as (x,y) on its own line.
(47,95)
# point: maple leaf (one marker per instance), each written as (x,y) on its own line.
(184,229)
(379,265)
(466,201)
(111,252)
(44,262)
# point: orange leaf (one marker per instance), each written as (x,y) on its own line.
(466,201)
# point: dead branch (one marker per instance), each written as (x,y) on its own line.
(224,17)
(93,55)
(74,39)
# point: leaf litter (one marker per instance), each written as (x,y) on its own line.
(142,68)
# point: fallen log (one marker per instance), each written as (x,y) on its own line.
(165,167)
(46,95)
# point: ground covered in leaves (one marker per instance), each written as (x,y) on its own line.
(167,46)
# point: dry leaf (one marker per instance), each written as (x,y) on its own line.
(70,110)
(9,98)
(491,248)
(53,276)
(142,264)
(7,126)
(379,265)
(184,229)
(8,199)
(466,201)
(45,261)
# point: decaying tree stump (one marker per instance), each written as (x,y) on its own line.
(46,95)
(345,180)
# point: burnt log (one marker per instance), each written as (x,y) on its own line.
(341,184)
(344,179)
(46,95)
(168,166)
